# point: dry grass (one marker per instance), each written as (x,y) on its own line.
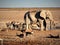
(37,38)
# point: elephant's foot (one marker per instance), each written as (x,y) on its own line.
(42,29)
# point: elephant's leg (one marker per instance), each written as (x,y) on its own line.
(41,23)
(26,22)
(44,23)
(52,24)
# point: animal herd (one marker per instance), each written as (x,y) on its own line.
(33,19)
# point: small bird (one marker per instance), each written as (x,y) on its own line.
(52,36)
(28,33)
(21,35)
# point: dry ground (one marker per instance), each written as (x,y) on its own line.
(37,38)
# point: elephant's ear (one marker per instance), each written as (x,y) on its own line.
(43,14)
(49,14)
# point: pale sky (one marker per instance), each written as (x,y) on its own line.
(29,3)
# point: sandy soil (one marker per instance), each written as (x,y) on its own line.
(36,38)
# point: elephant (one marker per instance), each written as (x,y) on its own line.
(39,16)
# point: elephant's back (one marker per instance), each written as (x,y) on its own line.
(32,15)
